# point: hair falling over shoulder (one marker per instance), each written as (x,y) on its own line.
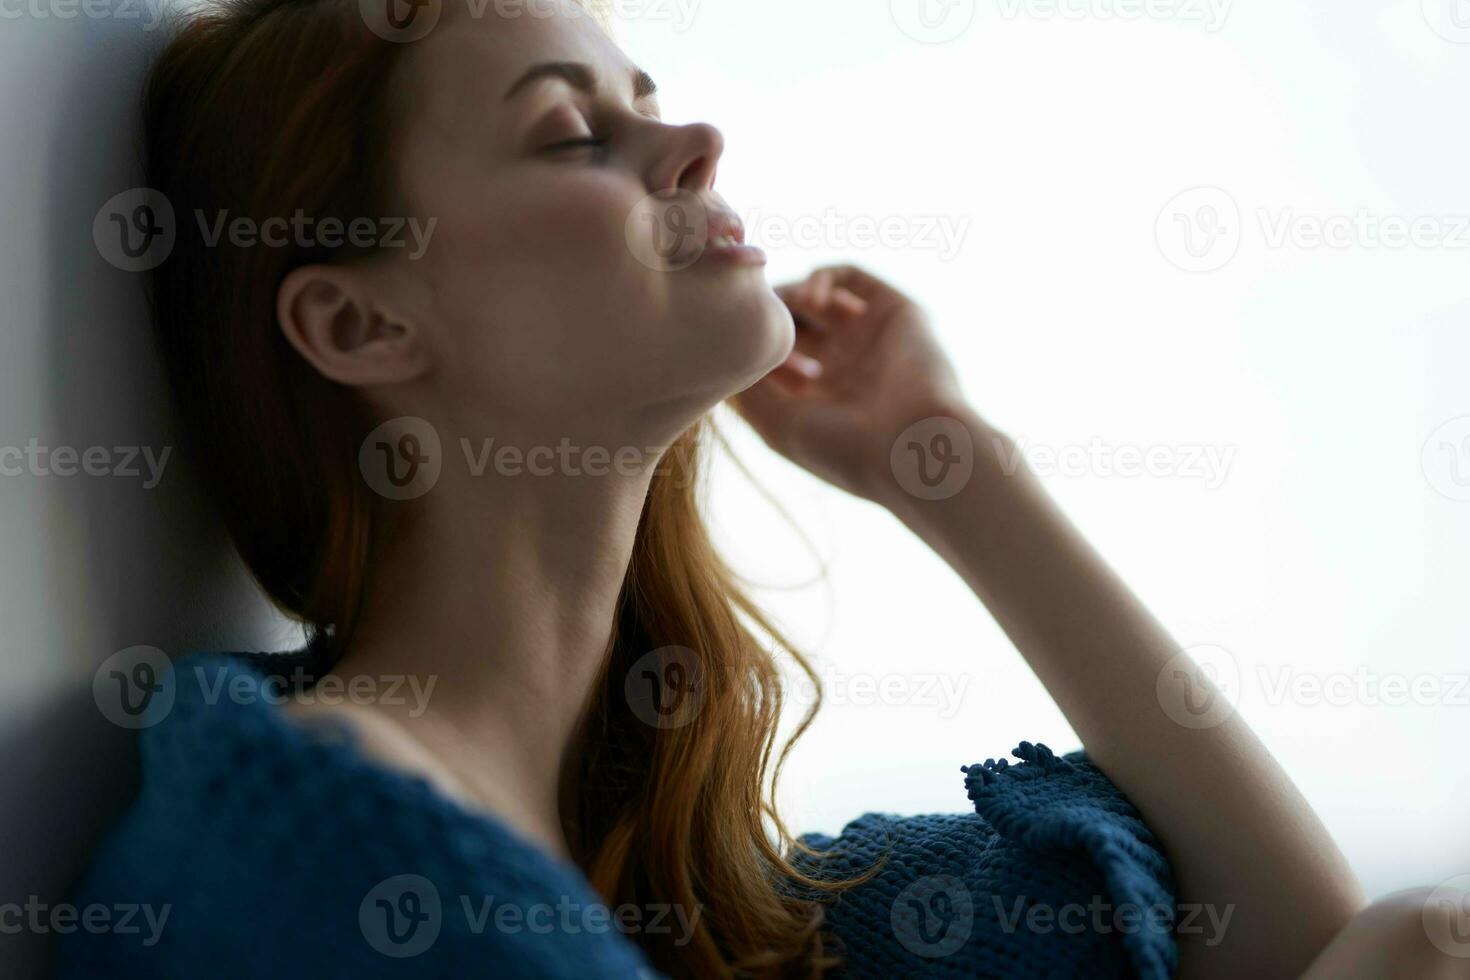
(267,107)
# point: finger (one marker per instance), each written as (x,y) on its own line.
(842,309)
(802,292)
(800,314)
(798,301)
(789,290)
(795,293)
(871,288)
(803,364)
(846,301)
(822,283)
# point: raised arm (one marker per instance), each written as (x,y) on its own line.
(1239,835)
(1237,831)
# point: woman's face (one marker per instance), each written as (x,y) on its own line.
(556,295)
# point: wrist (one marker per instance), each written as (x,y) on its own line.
(948,451)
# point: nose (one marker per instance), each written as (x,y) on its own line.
(689,159)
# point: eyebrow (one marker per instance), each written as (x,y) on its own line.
(579,76)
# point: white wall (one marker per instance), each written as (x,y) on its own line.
(91,564)
(1326,549)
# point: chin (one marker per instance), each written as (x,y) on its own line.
(760,334)
(726,338)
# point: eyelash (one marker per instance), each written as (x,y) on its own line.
(595,143)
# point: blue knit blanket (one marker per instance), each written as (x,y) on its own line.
(256,849)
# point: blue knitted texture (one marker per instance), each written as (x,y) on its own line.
(282,854)
(1054,875)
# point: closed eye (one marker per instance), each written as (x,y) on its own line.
(596,143)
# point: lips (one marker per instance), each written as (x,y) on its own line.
(725,228)
(680,229)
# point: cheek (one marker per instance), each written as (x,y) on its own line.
(538,294)
(554,249)
(544,301)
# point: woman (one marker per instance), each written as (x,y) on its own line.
(602,718)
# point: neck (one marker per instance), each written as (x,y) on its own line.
(502,591)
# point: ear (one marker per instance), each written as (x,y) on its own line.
(335,321)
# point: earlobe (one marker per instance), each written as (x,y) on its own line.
(333,320)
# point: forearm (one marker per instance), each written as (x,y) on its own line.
(1236,830)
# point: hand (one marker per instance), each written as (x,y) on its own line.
(865,367)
